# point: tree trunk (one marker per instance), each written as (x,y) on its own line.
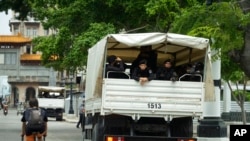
(244,119)
(245,57)
(240,102)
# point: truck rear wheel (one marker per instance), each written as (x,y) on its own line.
(59,118)
(98,129)
(95,132)
(181,127)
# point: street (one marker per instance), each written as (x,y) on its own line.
(10,128)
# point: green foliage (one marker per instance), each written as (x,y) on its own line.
(77,23)
(77,57)
(51,55)
(164,12)
(219,22)
(22,7)
(65,51)
(54,48)
(239,94)
(224,24)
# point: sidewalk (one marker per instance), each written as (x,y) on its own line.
(70,118)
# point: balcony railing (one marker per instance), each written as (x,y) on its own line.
(29,79)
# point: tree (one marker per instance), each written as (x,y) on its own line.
(22,7)
(76,18)
(64,51)
(70,19)
(223,23)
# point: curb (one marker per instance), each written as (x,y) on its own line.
(70,118)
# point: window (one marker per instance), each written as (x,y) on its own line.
(34,34)
(16,30)
(31,32)
(28,49)
(1,58)
(28,32)
(8,58)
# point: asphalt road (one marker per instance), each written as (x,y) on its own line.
(10,128)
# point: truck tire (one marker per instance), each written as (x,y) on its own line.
(59,118)
(181,127)
(98,130)
(95,132)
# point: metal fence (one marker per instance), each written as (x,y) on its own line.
(235,113)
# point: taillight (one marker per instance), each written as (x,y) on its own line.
(110,138)
(186,139)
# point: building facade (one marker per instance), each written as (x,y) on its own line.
(21,64)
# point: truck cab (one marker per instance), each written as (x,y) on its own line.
(52,99)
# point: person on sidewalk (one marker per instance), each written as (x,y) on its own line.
(81,115)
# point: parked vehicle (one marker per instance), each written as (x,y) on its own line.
(122,109)
(52,99)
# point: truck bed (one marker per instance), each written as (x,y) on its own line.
(165,99)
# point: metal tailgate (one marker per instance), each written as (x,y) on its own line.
(154,99)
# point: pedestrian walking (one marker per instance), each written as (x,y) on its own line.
(81,115)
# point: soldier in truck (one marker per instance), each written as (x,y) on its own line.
(166,72)
(148,54)
(115,67)
(142,73)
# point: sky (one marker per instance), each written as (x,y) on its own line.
(4,23)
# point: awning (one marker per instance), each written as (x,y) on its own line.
(30,57)
(14,39)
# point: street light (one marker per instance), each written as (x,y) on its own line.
(71,110)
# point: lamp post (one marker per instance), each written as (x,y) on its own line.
(71,110)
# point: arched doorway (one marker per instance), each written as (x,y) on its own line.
(30,93)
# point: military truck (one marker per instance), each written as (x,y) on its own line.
(120,109)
